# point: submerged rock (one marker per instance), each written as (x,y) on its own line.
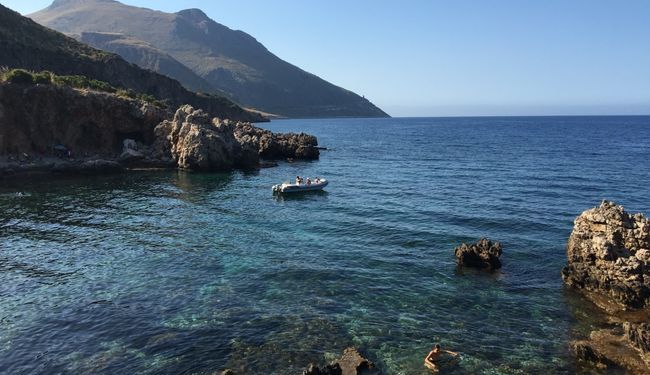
(607,348)
(585,352)
(609,252)
(350,363)
(333,369)
(87,167)
(483,254)
(639,336)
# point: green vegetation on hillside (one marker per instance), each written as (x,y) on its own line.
(27,45)
(22,76)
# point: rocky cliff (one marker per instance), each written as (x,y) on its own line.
(28,45)
(609,252)
(609,261)
(36,118)
(229,60)
(195,141)
(47,127)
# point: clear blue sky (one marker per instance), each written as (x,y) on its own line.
(441,58)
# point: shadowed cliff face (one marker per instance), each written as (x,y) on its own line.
(34,118)
(229,60)
(25,44)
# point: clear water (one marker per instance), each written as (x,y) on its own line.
(173,272)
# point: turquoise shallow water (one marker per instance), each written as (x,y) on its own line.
(174,272)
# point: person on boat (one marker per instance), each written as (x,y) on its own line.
(308,181)
(433,356)
(298,180)
(317,180)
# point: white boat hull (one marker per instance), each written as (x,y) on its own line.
(295,188)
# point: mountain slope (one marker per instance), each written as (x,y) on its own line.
(232,61)
(26,44)
(146,56)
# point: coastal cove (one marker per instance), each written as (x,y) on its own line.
(174,271)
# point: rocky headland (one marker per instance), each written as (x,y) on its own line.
(192,140)
(54,128)
(609,262)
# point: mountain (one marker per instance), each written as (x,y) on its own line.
(28,45)
(146,56)
(229,60)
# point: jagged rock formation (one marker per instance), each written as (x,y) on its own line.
(484,254)
(609,252)
(229,60)
(350,363)
(608,260)
(195,141)
(276,145)
(28,45)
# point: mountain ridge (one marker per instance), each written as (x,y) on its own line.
(28,45)
(144,55)
(230,60)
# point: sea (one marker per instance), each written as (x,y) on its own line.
(172,272)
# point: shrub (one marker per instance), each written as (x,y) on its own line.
(79,82)
(43,77)
(101,86)
(18,76)
(22,76)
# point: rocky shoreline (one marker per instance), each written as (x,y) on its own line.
(609,262)
(46,129)
(61,130)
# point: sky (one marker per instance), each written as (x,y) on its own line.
(454,58)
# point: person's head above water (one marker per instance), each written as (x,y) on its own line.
(437,347)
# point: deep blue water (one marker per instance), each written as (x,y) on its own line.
(174,272)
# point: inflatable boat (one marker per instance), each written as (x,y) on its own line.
(298,188)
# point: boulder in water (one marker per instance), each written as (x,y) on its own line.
(484,254)
(609,253)
(608,256)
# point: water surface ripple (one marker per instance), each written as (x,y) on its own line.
(174,272)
